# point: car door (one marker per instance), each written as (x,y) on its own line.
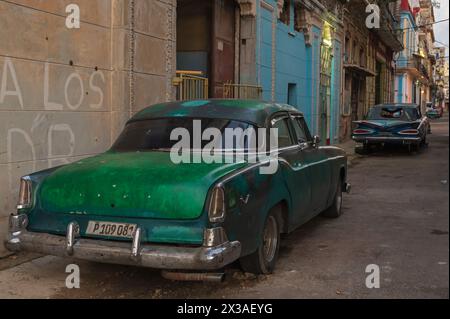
(294,170)
(317,165)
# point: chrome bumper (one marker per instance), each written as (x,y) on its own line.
(386,139)
(215,253)
(348,188)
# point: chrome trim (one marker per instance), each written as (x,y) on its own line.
(192,276)
(255,165)
(386,138)
(245,199)
(73,231)
(18,222)
(149,255)
(136,243)
(282,160)
(239,172)
(214,237)
(365,133)
(348,188)
(221,218)
(26,178)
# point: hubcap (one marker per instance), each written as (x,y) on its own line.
(270,239)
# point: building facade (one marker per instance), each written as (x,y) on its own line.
(441,74)
(66,93)
(415,63)
(293,50)
(368,62)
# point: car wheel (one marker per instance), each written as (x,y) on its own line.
(363,150)
(425,141)
(263,260)
(336,208)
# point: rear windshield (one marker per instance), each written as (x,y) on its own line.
(155,134)
(393,113)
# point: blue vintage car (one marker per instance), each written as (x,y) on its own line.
(401,124)
(433,113)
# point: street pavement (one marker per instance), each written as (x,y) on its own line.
(396,218)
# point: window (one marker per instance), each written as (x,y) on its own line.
(154,135)
(413,114)
(292,94)
(300,133)
(284,137)
(285,15)
(304,126)
(388,113)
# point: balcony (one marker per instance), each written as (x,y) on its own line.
(242,91)
(389,32)
(414,65)
(191,85)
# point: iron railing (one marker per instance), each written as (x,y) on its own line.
(191,85)
(242,91)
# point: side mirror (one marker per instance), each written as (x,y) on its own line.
(316,140)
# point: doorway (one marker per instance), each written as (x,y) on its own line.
(206,41)
(292,95)
(326,62)
(194,36)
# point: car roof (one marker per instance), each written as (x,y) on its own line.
(404,105)
(250,111)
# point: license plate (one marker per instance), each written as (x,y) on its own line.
(109,229)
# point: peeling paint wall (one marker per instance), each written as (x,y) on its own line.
(65,94)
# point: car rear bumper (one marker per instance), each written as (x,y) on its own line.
(215,253)
(387,139)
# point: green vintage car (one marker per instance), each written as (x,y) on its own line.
(135,205)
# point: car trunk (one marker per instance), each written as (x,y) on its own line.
(139,184)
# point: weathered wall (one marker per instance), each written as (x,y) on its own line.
(66,93)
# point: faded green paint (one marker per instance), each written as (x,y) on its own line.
(145,185)
(154,230)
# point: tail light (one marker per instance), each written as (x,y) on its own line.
(217,206)
(25,198)
(360,131)
(409,132)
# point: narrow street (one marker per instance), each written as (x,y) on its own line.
(396,217)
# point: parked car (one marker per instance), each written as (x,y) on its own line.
(401,124)
(133,205)
(434,111)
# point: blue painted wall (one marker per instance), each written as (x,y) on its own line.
(296,65)
(265,52)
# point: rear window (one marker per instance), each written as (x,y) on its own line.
(387,113)
(154,135)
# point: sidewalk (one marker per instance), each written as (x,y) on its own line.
(349,148)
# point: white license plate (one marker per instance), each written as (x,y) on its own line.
(109,229)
